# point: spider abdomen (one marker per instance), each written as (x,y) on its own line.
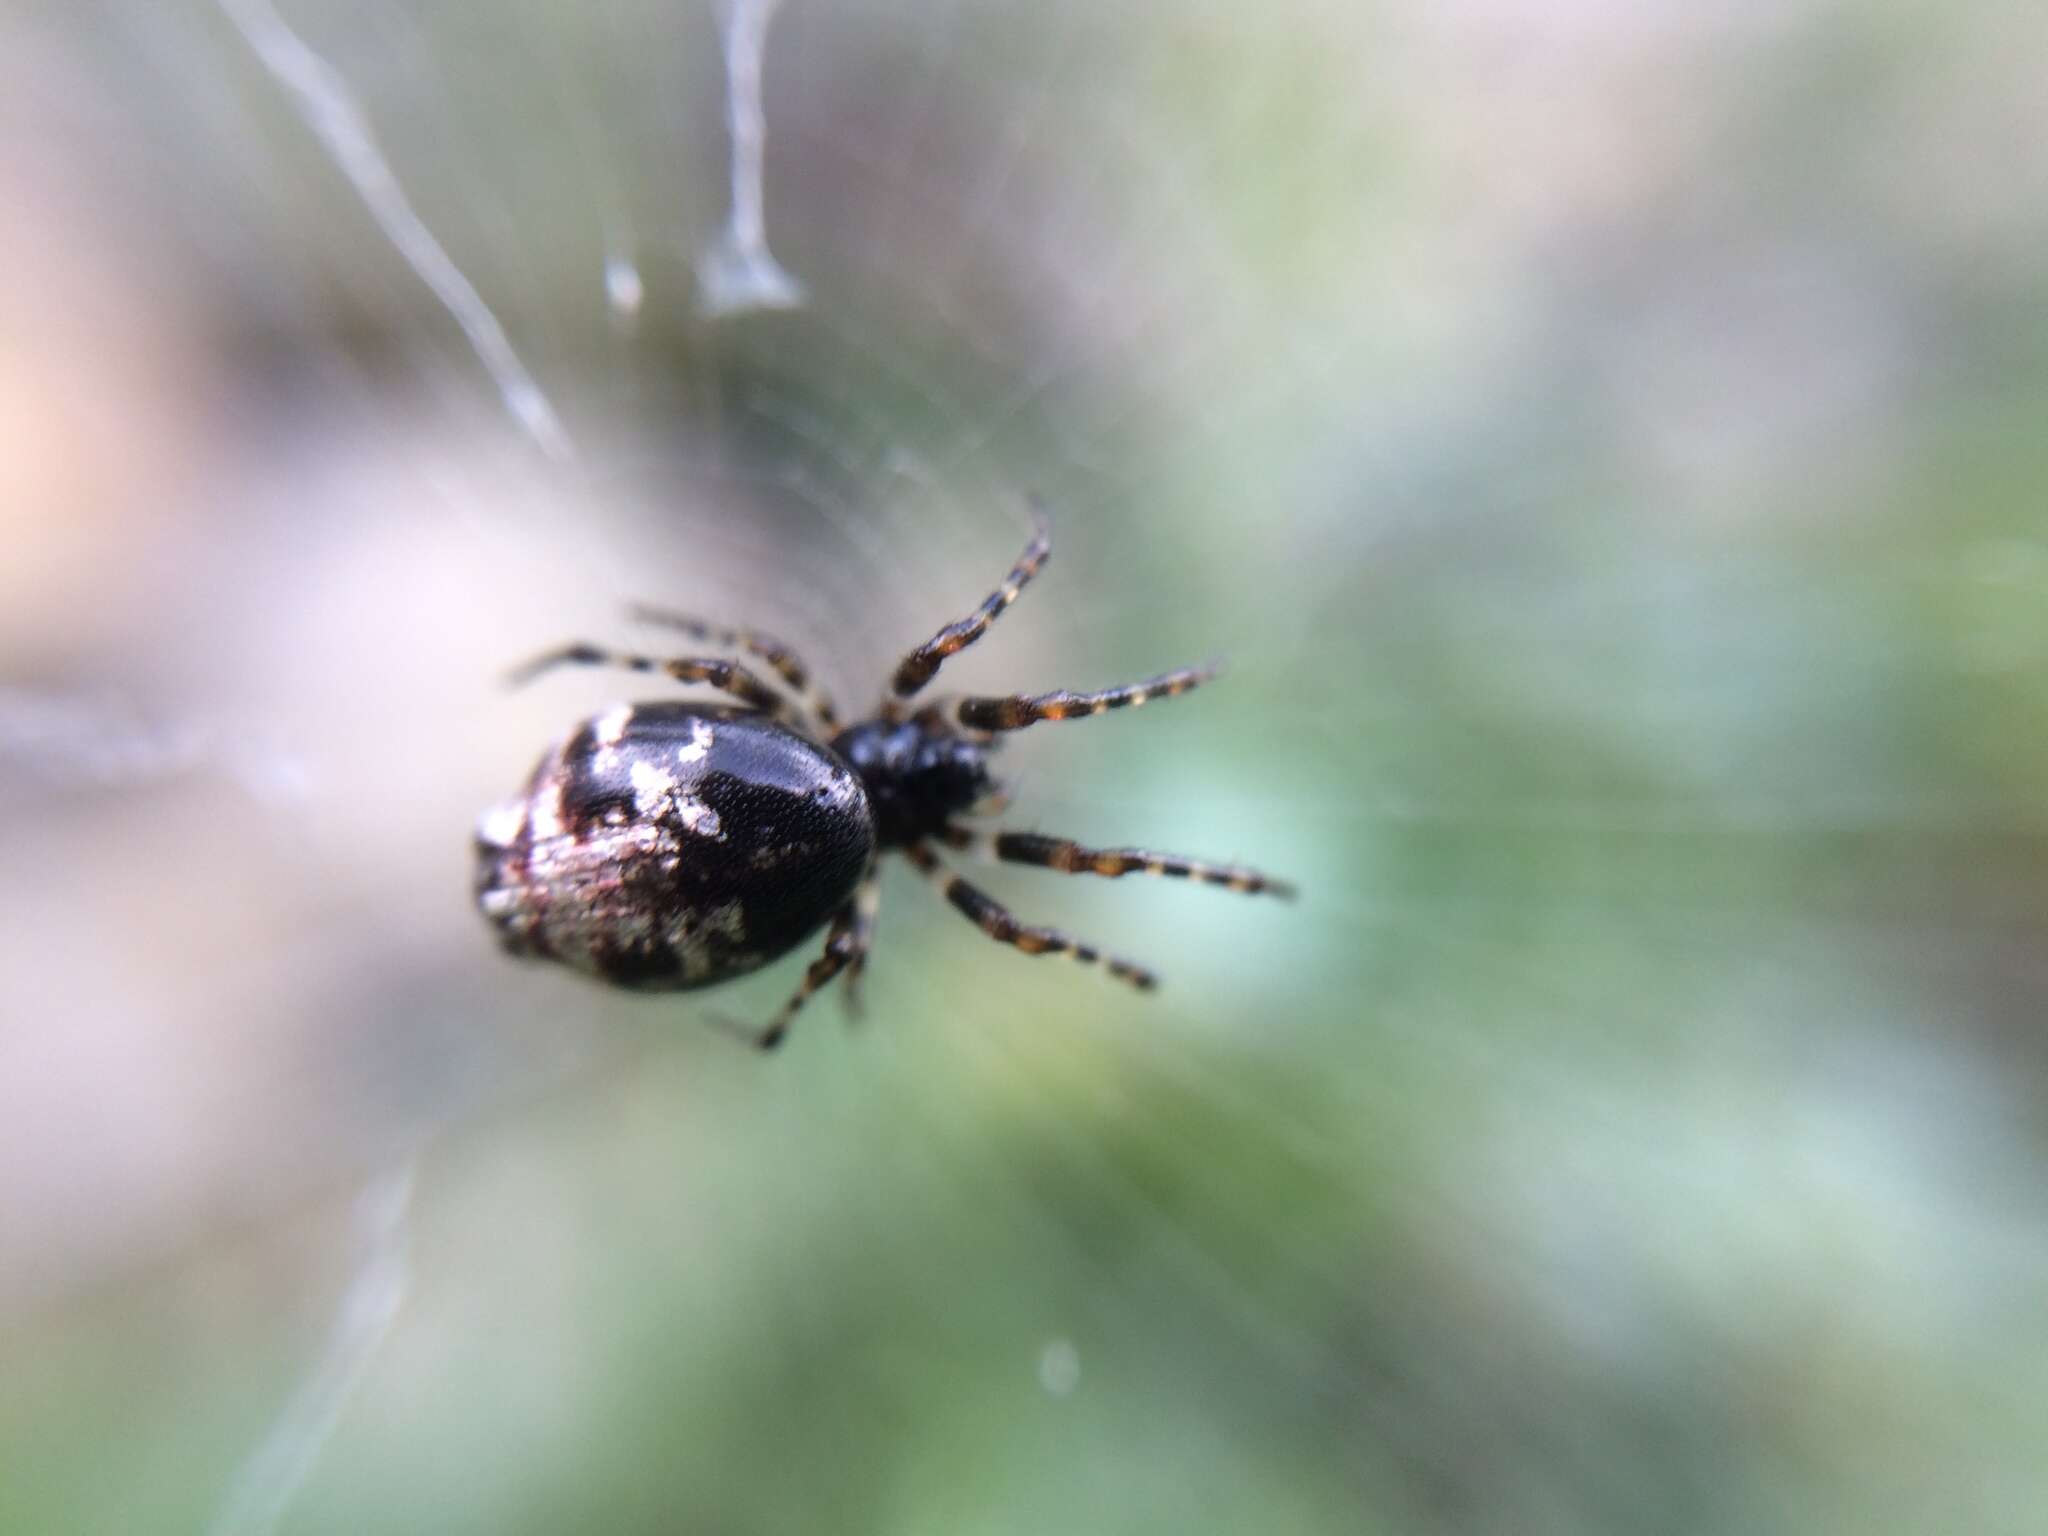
(671,845)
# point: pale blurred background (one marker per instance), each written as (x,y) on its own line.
(1610,443)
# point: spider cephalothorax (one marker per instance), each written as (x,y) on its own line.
(919,774)
(672,845)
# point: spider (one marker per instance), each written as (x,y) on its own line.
(674,845)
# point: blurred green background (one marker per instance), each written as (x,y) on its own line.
(1608,443)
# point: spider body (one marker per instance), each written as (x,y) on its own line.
(667,846)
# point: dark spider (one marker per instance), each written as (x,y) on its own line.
(675,845)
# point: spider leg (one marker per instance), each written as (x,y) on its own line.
(1071,858)
(728,677)
(1017,710)
(996,921)
(994,803)
(938,716)
(787,664)
(921,665)
(867,901)
(840,949)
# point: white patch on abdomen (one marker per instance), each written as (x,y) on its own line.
(699,745)
(651,788)
(547,811)
(502,824)
(698,816)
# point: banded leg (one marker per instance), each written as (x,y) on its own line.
(1018,710)
(1071,858)
(867,902)
(728,677)
(786,663)
(996,921)
(840,950)
(922,664)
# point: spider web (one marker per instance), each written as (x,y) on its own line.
(1598,438)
